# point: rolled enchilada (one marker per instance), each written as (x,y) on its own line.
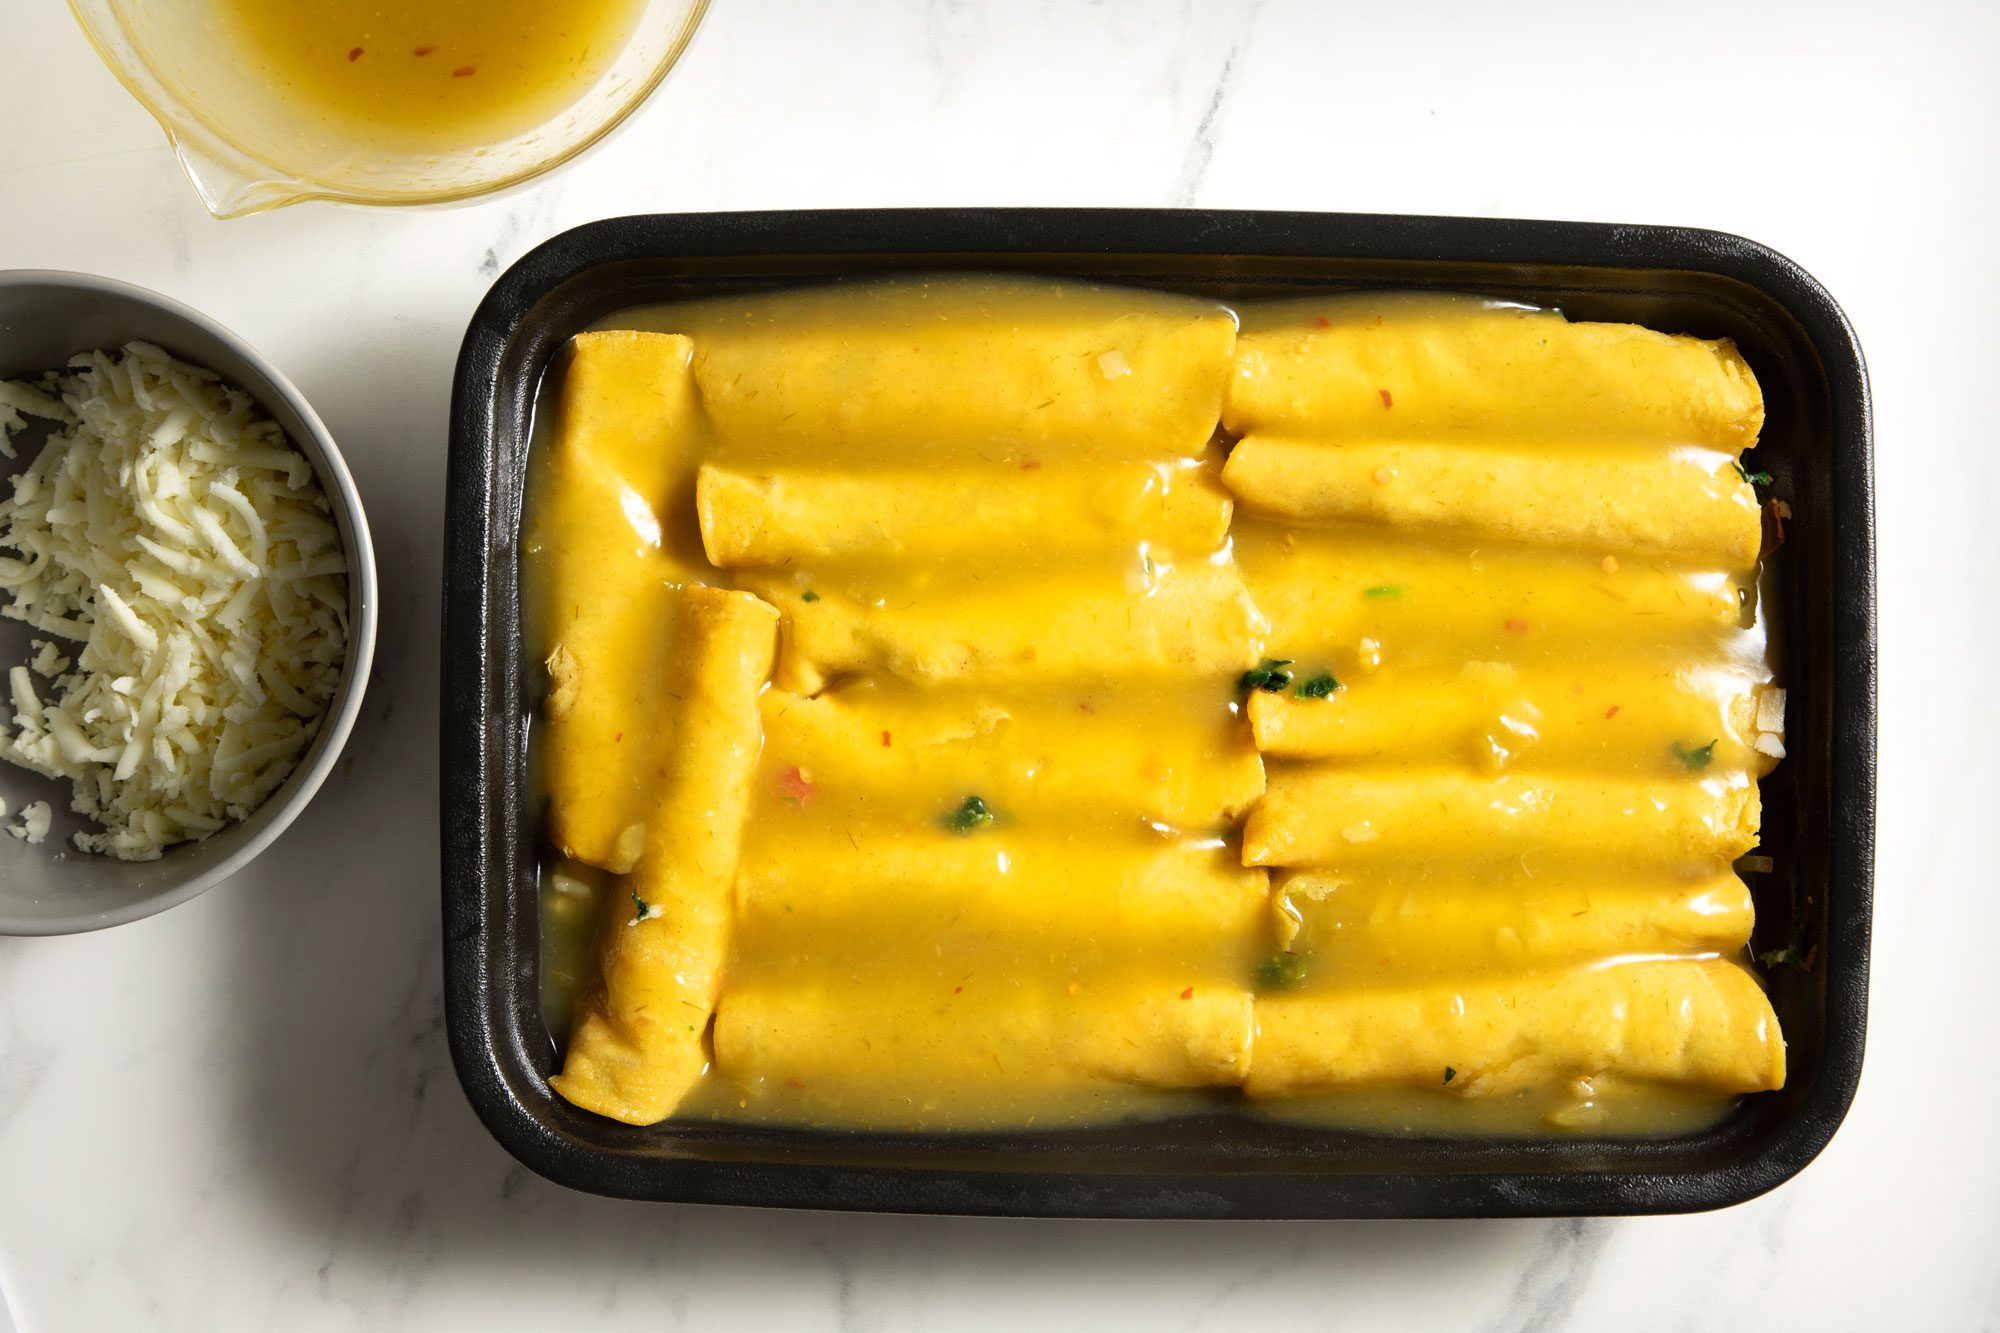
(1406,367)
(1030,898)
(1193,621)
(995,367)
(1703,1022)
(1056,758)
(930,1044)
(1320,815)
(1447,603)
(998,511)
(1478,921)
(620,462)
(1621,716)
(638,1042)
(1684,504)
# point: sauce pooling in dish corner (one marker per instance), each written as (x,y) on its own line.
(981,702)
(431,74)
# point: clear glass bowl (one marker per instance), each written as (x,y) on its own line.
(247,148)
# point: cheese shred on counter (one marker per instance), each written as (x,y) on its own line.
(176,549)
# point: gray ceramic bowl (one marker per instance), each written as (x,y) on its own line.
(52,888)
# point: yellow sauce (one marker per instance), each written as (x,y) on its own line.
(430,74)
(1011,854)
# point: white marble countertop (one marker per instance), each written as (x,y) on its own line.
(241,1114)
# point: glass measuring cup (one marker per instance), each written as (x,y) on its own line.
(247,147)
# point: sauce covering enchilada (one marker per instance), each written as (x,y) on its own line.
(994,701)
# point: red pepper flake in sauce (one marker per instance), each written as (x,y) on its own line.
(463,72)
(1030,464)
(1388,400)
(796,787)
(423,51)
(885,740)
(1611,712)
(1188,994)
(794,1082)
(958,990)
(354,55)
(619,737)
(1322,322)
(1516,625)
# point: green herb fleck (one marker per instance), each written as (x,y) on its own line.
(1384,590)
(639,908)
(1270,675)
(1754,478)
(1796,954)
(810,596)
(1316,687)
(971,813)
(1449,1073)
(1695,758)
(1281,970)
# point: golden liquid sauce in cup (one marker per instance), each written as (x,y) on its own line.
(430,74)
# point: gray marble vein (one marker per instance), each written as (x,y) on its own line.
(1201,143)
(1553,1276)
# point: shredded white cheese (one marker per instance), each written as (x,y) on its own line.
(18,402)
(34,822)
(1771,710)
(173,535)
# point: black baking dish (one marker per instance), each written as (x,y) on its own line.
(1820,804)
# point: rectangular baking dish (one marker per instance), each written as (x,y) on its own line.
(1819,805)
